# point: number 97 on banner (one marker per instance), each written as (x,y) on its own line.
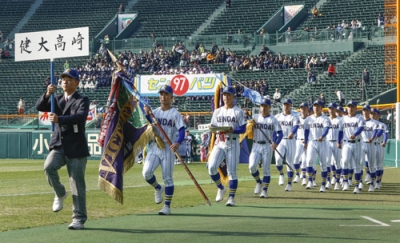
(180,85)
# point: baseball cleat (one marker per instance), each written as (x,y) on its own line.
(258,188)
(220,194)
(322,188)
(328,185)
(158,198)
(367,179)
(281,180)
(304,182)
(296,179)
(59,202)
(75,225)
(360,186)
(333,181)
(309,185)
(356,190)
(314,183)
(371,187)
(350,183)
(263,194)
(230,202)
(337,186)
(345,186)
(377,185)
(288,188)
(166,210)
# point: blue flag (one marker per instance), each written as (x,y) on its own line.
(252,95)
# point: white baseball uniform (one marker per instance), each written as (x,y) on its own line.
(380,151)
(300,155)
(316,125)
(333,153)
(369,149)
(226,146)
(261,149)
(171,121)
(351,150)
(287,146)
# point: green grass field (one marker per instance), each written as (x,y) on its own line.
(301,215)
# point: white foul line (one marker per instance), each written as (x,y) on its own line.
(371,225)
(375,221)
(395,221)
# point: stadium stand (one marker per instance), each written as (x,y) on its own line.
(11,12)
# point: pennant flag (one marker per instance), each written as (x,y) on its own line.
(123,135)
(252,95)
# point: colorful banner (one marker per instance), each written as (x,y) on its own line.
(44,116)
(52,44)
(183,85)
(291,11)
(124,20)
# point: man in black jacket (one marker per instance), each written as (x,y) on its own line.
(68,144)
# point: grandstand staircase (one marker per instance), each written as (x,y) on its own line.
(206,23)
(25,19)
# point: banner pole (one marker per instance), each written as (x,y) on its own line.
(52,81)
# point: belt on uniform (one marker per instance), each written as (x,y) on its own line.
(332,140)
(260,142)
(352,141)
(300,139)
(228,139)
(285,138)
(376,143)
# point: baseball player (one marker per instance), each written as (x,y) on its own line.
(227,144)
(264,128)
(289,124)
(188,140)
(171,122)
(368,135)
(318,125)
(380,144)
(351,151)
(299,157)
(334,145)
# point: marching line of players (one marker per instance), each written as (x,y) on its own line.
(343,143)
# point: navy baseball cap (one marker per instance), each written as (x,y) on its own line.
(303,104)
(265,102)
(318,102)
(374,110)
(167,89)
(366,107)
(310,108)
(70,72)
(340,108)
(229,90)
(352,102)
(332,105)
(286,101)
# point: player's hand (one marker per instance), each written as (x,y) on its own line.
(320,139)
(53,117)
(291,135)
(146,110)
(51,89)
(352,137)
(383,144)
(339,145)
(274,145)
(230,130)
(305,146)
(370,140)
(174,147)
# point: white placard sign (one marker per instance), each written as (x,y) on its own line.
(52,44)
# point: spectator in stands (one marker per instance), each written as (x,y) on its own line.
(322,98)
(121,8)
(288,35)
(315,12)
(381,20)
(214,48)
(2,53)
(323,60)
(263,50)
(389,119)
(277,96)
(311,77)
(106,40)
(339,31)
(313,62)
(331,70)
(366,76)
(21,106)
(340,97)
(262,32)
(66,65)
(228,3)
(229,36)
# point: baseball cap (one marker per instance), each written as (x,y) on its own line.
(332,105)
(340,108)
(302,104)
(167,89)
(70,72)
(286,101)
(265,102)
(374,110)
(352,102)
(318,102)
(229,90)
(366,107)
